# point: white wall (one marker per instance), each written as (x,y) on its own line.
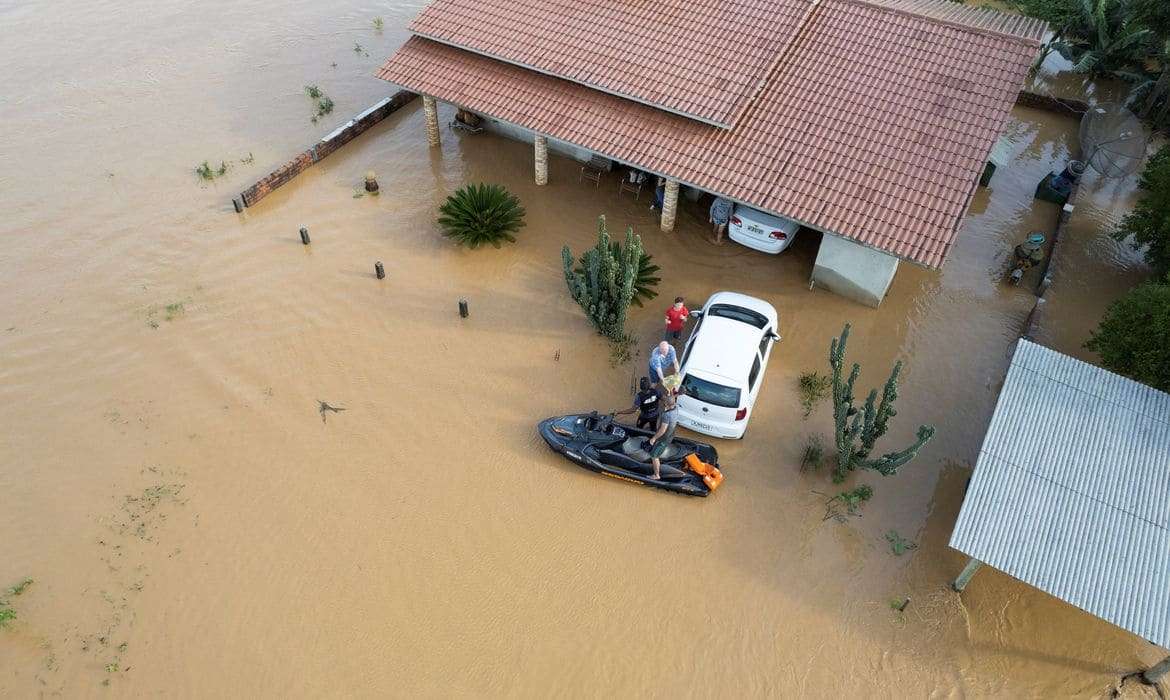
(853,271)
(526,135)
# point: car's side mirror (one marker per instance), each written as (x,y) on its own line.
(696,314)
(774,336)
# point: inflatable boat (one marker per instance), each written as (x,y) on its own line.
(599,444)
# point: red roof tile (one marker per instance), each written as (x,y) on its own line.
(700,58)
(874,125)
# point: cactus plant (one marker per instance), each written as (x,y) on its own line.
(604,284)
(868,424)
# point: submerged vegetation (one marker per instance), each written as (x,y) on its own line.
(7,614)
(206,172)
(813,457)
(323,102)
(846,504)
(858,430)
(813,387)
(378,24)
(899,545)
(481,214)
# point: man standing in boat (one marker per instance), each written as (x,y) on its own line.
(667,421)
(645,403)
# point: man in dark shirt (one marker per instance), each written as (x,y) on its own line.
(645,403)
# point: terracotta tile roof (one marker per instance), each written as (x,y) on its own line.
(701,58)
(874,125)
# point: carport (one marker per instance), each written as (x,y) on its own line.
(1071,492)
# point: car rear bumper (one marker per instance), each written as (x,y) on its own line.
(770,246)
(733,431)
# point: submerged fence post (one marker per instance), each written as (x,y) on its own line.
(965,575)
(304,235)
(379,270)
(238,207)
(463,308)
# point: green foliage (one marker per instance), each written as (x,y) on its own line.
(899,545)
(604,286)
(481,214)
(1133,338)
(847,503)
(867,425)
(621,349)
(360,50)
(813,388)
(7,614)
(20,587)
(1103,37)
(378,24)
(813,457)
(644,282)
(323,102)
(1149,222)
(206,172)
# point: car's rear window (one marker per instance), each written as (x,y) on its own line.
(710,392)
(738,313)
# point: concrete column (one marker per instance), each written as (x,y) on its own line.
(965,575)
(669,205)
(1156,672)
(541,147)
(432,116)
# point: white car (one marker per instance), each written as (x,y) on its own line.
(760,231)
(723,364)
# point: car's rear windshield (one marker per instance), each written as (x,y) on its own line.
(738,313)
(710,392)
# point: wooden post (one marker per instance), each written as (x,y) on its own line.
(541,149)
(669,205)
(432,117)
(463,308)
(305,236)
(965,575)
(237,206)
(379,270)
(371,182)
(1156,672)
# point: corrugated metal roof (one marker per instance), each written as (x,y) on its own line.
(875,126)
(1071,493)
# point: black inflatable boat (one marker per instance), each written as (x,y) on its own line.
(601,445)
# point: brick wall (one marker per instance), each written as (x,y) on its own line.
(324,147)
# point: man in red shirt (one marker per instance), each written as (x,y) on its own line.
(676,318)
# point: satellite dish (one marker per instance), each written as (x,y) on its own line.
(1113,140)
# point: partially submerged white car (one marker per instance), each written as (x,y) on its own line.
(723,364)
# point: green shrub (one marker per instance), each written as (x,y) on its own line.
(479,214)
(1149,222)
(1133,338)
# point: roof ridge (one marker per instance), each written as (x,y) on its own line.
(981,20)
(793,40)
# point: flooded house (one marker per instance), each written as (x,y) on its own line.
(868,123)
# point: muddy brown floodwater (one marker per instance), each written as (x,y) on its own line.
(195,528)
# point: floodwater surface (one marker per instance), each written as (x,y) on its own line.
(195,526)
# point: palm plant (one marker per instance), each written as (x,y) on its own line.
(479,214)
(1150,95)
(1103,38)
